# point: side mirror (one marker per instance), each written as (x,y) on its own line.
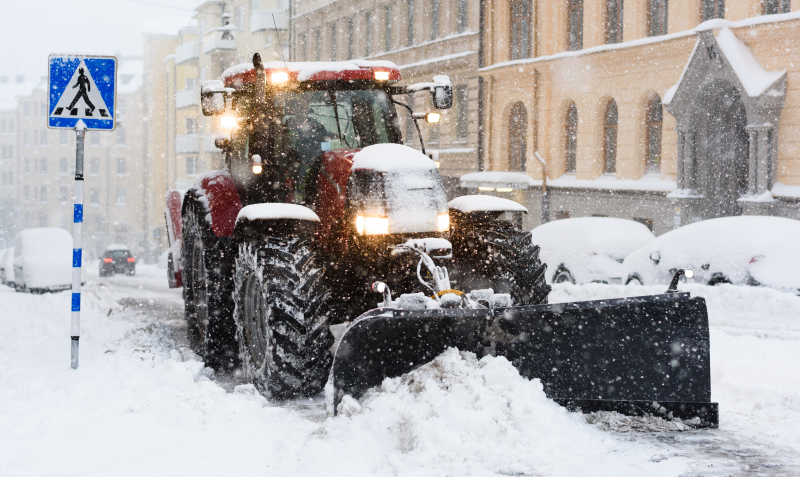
(212,98)
(655,256)
(442,97)
(223,144)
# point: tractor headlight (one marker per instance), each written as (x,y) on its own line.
(443,223)
(372,225)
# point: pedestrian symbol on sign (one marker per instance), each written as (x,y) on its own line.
(83,104)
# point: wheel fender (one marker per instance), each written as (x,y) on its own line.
(467,204)
(217,191)
(275,219)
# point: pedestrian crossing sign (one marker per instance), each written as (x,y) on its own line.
(82,88)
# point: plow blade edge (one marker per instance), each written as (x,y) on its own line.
(637,356)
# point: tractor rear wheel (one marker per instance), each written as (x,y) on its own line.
(208,304)
(497,254)
(282,316)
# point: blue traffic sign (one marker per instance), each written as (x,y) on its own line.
(82,88)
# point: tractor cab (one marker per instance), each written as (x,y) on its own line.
(293,124)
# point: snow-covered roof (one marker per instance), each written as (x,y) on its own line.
(117,246)
(11,92)
(307,69)
(648,182)
(754,78)
(391,158)
(518,180)
(130,75)
(708,25)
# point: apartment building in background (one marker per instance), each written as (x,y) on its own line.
(662,112)
(38,167)
(423,38)
(179,140)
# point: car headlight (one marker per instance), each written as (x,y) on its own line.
(372,225)
(444,223)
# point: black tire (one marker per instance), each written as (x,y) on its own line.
(498,255)
(207,291)
(634,280)
(563,275)
(718,279)
(282,316)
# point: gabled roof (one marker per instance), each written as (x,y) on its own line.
(753,78)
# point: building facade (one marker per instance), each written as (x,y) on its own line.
(424,38)
(39,170)
(662,112)
(179,139)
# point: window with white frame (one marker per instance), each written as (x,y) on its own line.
(191,165)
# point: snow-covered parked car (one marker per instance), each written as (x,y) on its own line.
(42,260)
(6,265)
(743,250)
(588,249)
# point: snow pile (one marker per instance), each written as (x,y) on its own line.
(391,158)
(474,179)
(616,422)
(277,211)
(485,203)
(460,416)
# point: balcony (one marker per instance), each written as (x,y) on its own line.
(187,52)
(260,21)
(187,97)
(214,41)
(186,144)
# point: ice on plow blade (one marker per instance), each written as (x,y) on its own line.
(638,356)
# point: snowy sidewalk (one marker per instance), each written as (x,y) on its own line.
(139,406)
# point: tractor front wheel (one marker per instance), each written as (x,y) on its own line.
(282,317)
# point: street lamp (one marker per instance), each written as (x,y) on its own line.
(545,198)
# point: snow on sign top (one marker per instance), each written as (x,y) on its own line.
(82,91)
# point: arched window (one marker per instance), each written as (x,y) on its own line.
(613,21)
(713,9)
(520,29)
(571,137)
(517,133)
(655,115)
(574,25)
(610,137)
(657,17)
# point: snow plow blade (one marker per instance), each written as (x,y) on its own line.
(638,356)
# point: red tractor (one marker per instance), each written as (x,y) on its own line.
(316,194)
(320,205)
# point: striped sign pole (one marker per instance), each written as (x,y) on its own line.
(80,133)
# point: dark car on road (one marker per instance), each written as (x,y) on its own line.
(117,259)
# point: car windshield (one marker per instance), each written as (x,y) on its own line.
(319,121)
(117,254)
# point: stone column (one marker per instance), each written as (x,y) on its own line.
(679,171)
(762,179)
(689,162)
(758,164)
(752,159)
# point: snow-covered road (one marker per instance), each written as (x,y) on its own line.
(141,404)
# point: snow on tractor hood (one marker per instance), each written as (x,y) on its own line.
(391,158)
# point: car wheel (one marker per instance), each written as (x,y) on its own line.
(718,279)
(563,275)
(634,280)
